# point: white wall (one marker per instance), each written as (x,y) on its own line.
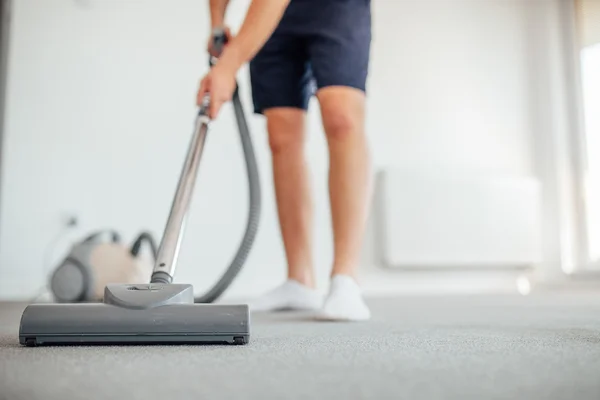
(101,104)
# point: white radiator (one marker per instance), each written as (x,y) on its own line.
(450,220)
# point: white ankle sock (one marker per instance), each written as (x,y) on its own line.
(291,295)
(344,302)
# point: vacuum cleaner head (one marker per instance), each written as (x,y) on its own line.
(136,314)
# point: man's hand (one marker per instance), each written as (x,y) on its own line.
(261,20)
(219,83)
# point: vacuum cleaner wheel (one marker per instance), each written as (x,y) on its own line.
(69,282)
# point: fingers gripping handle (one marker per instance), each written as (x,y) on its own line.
(219,40)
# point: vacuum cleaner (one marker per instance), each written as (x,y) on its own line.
(100,258)
(160,312)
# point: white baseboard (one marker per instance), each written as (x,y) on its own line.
(376,281)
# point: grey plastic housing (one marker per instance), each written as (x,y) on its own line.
(148,295)
(159,314)
(72,280)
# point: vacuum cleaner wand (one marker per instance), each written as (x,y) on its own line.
(166,260)
(164,268)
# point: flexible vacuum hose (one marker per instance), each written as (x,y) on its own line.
(253,212)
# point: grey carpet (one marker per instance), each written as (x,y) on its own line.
(538,347)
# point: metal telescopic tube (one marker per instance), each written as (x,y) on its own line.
(168,252)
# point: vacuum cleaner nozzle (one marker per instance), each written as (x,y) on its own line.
(143,314)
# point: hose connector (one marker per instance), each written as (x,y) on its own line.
(161,277)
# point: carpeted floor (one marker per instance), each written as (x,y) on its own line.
(537,347)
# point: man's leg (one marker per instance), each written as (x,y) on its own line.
(280,92)
(339,54)
(285,127)
(343,115)
(292,190)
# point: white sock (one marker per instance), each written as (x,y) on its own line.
(344,302)
(291,295)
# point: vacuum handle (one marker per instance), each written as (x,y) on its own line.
(137,245)
(219,40)
(114,236)
(219,37)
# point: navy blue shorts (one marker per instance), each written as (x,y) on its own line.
(317,43)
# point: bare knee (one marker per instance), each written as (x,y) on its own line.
(340,125)
(342,111)
(286,129)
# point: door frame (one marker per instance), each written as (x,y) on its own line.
(6,7)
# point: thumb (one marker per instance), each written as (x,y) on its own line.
(215,106)
(203,91)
